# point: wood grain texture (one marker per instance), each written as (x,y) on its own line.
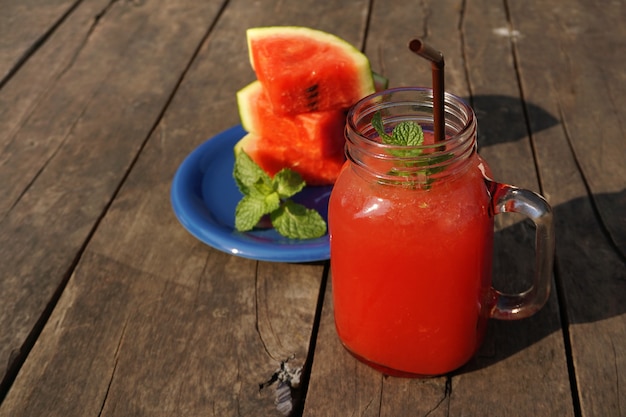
(152,347)
(69,153)
(435,23)
(24,25)
(582,171)
(38,108)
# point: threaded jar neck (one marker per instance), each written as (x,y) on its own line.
(410,166)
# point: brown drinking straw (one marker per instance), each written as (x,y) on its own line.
(437,64)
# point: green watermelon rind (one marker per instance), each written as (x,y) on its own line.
(289,31)
(244,104)
(366,82)
(243,142)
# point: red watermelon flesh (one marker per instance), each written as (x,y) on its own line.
(311,144)
(314,168)
(305,70)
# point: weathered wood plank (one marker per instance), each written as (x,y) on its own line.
(23,26)
(81,134)
(389,53)
(583,174)
(480,66)
(32,98)
(196,330)
(591,98)
(126,342)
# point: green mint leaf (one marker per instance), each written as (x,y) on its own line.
(248,212)
(261,188)
(250,178)
(250,209)
(264,195)
(295,221)
(287,183)
(408,134)
(377,123)
(271,202)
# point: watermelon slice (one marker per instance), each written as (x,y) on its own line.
(306,70)
(311,144)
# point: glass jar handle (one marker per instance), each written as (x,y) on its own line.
(510,199)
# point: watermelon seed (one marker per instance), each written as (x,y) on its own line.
(312,93)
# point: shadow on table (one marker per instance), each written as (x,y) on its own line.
(589,266)
(589,275)
(501,118)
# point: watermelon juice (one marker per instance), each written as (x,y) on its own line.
(411,293)
(411,242)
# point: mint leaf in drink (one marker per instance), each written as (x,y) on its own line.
(295,221)
(377,123)
(411,135)
(406,133)
(265,195)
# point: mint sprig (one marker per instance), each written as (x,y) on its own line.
(409,134)
(406,133)
(264,195)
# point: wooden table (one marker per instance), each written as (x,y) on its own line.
(109,307)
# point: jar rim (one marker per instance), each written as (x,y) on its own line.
(450,101)
(414,164)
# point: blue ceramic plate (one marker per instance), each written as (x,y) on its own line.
(204,196)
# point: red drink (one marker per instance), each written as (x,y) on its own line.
(411,269)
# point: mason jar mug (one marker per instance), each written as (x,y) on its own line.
(411,239)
